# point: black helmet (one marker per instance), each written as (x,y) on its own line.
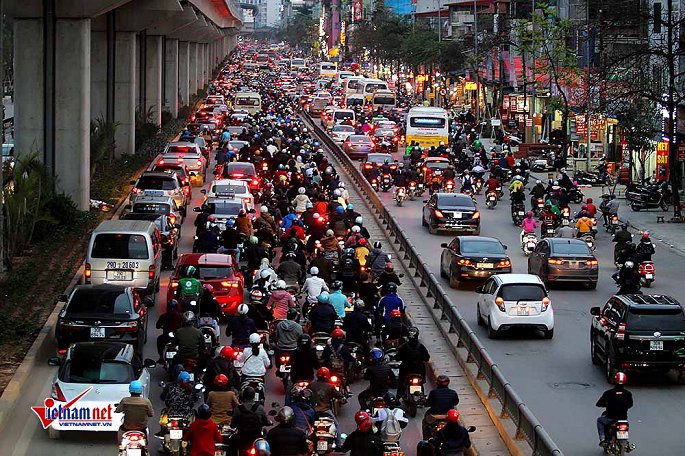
(337,285)
(413,333)
(293,314)
(390,399)
(442,380)
(204,412)
(286,415)
(305,340)
(391,287)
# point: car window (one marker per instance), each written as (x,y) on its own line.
(570,248)
(156,183)
(455,199)
(611,314)
(659,319)
(93,370)
(214,272)
(454,245)
(99,302)
(224,208)
(181,149)
(246,169)
(228,188)
(543,248)
(151,208)
(522,292)
(485,247)
(120,246)
(489,287)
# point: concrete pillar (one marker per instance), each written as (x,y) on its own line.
(203,65)
(171,77)
(98,75)
(193,66)
(72,109)
(153,77)
(183,73)
(125,91)
(29,91)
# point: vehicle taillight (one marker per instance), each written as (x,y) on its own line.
(592,262)
(416,381)
(229,284)
(504,264)
(334,379)
(199,163)
(439,214)
(464,262)
(545,303)
(57,393)
(622,426)
(174,284)
(87,272)
(500,304)
(621,331)
(129,326)
(476,215)
(284,359)
(62,352)
(255,182)
(151,272)
(172,219)
(160,161)
(555,261)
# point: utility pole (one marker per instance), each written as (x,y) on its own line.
(587,75)
(2,91)
(475,54)
(532,67)
(439,22)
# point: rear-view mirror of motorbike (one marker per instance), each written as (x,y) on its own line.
(203,191)
(443,245)
(162,384)
(400,275)
(197,209)
(149,301)
(199,387)
(505,247)
(150,363)
(53,361)
(596,311)
(471,428)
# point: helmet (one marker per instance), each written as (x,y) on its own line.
(204,412)
(395,313)
(230,223)
(316,216)
(290,256)
(629,264)
(339,210)
(359,304)
(323,297)
(356,229)
(362,242)
(414,332)
(329,233)
(377,245)
(301,190)
(135,387)
(227,353)
(350,207)
(304,339)
(190,271)
(256,295)
(361,416)
(183,377)
(309,204)
(376,354)
(453,416)
(264,209)
(538,182)
(264,274)
(323,373)
(255,338)
(365,426)
(589,200)
(442,380)
(208,287)
(262,448)
(172,304)
(645,236)
(359,221)
(337,285)
(529,214)
(188,317)
(281,166)
(280,285)
(388,266)
(338,334)
(620,378)
(390,399)
(243,309)
(391,287)
(286,415)
(314,270)
(254,240)
(292,314)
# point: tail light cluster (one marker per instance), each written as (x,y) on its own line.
(87,272)
(545,303)
(621,331)
(151,272)
(499,302)
(284,359)
(504,264)
(127,327)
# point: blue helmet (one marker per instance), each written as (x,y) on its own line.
(230,223)
(323,297)
(262,447)
(172,304)
(339,209)
(350,206)
(135,387)
(376,354)
(183,377)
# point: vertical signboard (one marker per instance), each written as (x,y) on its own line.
(662,161)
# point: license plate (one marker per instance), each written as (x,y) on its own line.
(656,344)
(170,355)
(256,397)
(420,185)
(492,198)
(98,333)
(414,389)
(119,275)
(484,265)
(522,311)
(134,452)
(321,445)
(521,212)
(622,435)
(153,193)
(219,453)
(649,276)
(573,264)
(438,172)
(284,368)
(176,434)
(457,215)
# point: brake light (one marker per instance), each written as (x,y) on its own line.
(555,261)
(545,303)
(284,359)
(229,284)
(464,262)
(592,262)
(62,352)
(439,214)
(621,331)
(476,215)
(172,219)
(255,182)
(160,161)
(151,272)
(334,379)
(500,304)
(199,163)
(367,166)
(504,264)
(416,381)
(87,272)
(57,393)
(129,326)
(237,175)
(622,426)
(174,284)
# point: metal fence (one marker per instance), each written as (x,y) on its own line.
(527,425)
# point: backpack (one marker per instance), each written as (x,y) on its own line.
(336,360)
(250,421)
(390,428)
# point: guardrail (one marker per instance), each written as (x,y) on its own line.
(527,425)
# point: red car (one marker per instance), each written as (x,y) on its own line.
(218,270)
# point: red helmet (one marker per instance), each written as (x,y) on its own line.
(645,236)
(589,200)
(620,378)
(361,416)
(323,373)
(395,313)
(221,380)
(227,353)
(362,242)
(365,426)
(338,334)
(453,416)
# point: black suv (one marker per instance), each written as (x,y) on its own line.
(638,332)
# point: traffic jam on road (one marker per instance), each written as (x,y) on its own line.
(239,305)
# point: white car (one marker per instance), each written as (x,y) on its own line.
(341,132)
(231,188)
(507,301)
(107,368)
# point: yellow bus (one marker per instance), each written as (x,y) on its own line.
(427,126)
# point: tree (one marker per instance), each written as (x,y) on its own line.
(639,119)
(302,31)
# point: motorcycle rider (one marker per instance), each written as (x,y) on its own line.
(387,277)
(189,288)
(645,248)
(616,402)
(548,218)
(380,377)
(203,433)
(168,322)
(222,400)
(287,334)
(356,325)
(314,286)
(363,441)
(136,409)
(280,301)
(248,419)
(518,199)
(528,226)
(394,329)
(300,401)
(621,238)
(400,178)
(585,225)
(255,359)
(322,317)
(285,438)
(466,182)
(628,278)
(591,208)
(565,230)
(304,360)
(439,402)
(610,209)
(189,340)
(222,364)
(336,354)
(391,408)
(453,438)
(337,299)
(179,397)
(210,308)
(538,191)
(413,356)
(241,326)
(391,301)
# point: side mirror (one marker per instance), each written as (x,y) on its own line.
(54,361)
(596,311)
(149,363)
(62,298)
(425,201)
(479,289)
(401,275)
(505,247)
(162,384)
(149,301)
(199,387)
(127,207)
(443,245)
(471,429)
(197,209)
(203,191)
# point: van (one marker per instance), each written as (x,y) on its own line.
(249,101)
(369,86)
(126,253)
(339,116)
(350,84)
(354,100)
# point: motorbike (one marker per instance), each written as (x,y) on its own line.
(133,443)
(478,186)
(386,182)
(173,428)
(285,364)
(257,383)
(588,178)
(169,352)
(650,196)
(612,226)
(539,206)
(209,336)
(411,190)
(590,241)
(575,195)
(518,212)
(491,200)
(319,341)
(428,447)
(392,449)
(647,272)
(500,193)
(324,435)
(357,367)
(374,184)
(548,230)
(338,381)
(528,243)
(617,442)
(400,196)
(449,186)
(415,395)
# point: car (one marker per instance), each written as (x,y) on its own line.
(171,233)
(434,165)
(104,369)
(158,205)
(181,170)
(339,116)
(636,332)
(243,171)
(153,184)
(237,145)
(192,156)
(375,160)
(102,312)
(327,116)
(507,301)
(230,188)
(218,270)
(451,212)
(222,209)
(473,257)
(564,260)
(358,146)
(382,135)
(340,133)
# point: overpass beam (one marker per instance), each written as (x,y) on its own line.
(171,65)
(29,89)
(193,65)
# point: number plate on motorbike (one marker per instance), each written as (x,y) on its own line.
(649,276)
(284,368)
(97,333)
(192,377)
(521,212)
(134,452)
(414,389)
(321,445)
(622,435)
(176,434)
(170,355)
(656,344)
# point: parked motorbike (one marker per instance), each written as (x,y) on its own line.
(133,443)
(617,442)
(528,243)
(649,196)
(400,196)
(491,200)
(647,272)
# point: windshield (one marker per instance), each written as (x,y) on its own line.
(354,101)
(437,164)
(427,122)
(445,200)
(522,292)
(152,208)
(297,62)
(379,158)
(372,87)
(384,100)
(570,248)
(214,272)
(353,84)
(228,188)
(118,246)
(225,208)
(659,319)
(343,115)
(247,101)
(181,149)
(358,139)
(344,128)
(247,169)
(483,247)
(100,302)
(156,183)
(93,370)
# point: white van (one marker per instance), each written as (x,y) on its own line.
(350,84)
(368,86)
(342,75)
(249,101)
(126,253)
(339,116)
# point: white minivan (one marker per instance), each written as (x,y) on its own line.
(126,253)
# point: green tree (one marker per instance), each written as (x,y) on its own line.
(302,31)
(639,119)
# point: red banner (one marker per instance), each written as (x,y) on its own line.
(662,161)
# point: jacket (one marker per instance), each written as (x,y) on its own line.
(414,357)
(322,318)
(220,403)
(254,365)
(313,286)
(244,225)
(617,401)
(136,412)
(288,221)
(300,203)
(357,327)
(329,243)
(390,302)
(202,435)
(339,301)
(288,333)
(529,225)
(453,437)
(179,400)
(241,328)
(441,400)
(360,443)
(376,259)
(279,303)
(190,342)
(169,321)
(303,363)
(265,222)
(287,440)
(379,376)
(290,271)
(322,395)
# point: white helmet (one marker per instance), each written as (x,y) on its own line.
(280,284)
(356,229)
(264,274)
(301,190)
(255,339)
(629,264)
(359,221)
(341,184)
(337,192)
(538,182)
(316,216)
(314,270)
(264,209)
(243,309)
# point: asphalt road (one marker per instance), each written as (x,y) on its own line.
(556,378)
(34,440)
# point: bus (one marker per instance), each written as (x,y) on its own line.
(368,86)
(298,64)
(427,126)
(350,84)
(249,101)
(384,100)
(327,70)
(341,76)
